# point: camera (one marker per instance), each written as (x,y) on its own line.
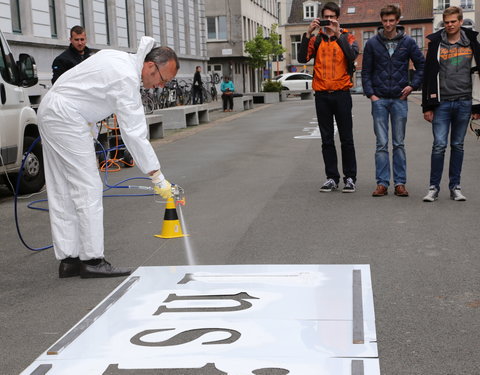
(324,23)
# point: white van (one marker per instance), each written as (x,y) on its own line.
(18,122)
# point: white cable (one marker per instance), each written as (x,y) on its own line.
(6,174)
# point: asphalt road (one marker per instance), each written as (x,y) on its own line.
(252,198)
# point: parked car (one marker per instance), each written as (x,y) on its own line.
(357,90)
(18,122)
(295,81)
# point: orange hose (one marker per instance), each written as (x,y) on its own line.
(107,165)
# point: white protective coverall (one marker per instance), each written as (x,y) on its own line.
(107,82)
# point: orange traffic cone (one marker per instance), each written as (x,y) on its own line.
(171,225)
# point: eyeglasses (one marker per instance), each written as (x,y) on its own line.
(163,80)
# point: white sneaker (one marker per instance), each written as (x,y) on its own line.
(329,185)
(349,186)
(432,194)
(456,194)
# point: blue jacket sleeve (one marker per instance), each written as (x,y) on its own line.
(367,70)
(419,62)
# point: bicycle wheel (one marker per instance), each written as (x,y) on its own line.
(207,97)
(148,104)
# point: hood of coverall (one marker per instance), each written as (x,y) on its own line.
(145,46)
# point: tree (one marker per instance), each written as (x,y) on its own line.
(258,49)
(262,49)
(276,48)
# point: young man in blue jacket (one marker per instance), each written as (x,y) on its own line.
(450,97)
(385,66)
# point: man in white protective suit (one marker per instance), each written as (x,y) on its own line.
(108,82)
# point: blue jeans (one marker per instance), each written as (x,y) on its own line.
(455,116)
(397,109)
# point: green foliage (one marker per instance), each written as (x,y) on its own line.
(272,86)
(274,39)
(261,48)
(258,49)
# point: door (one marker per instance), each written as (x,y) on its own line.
(12,100)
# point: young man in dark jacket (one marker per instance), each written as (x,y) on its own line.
(333,47)
(450,97)
(386,60)
(76,52)
(197,86)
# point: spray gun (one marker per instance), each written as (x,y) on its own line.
(178,194)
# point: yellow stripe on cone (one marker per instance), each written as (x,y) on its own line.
(171,225)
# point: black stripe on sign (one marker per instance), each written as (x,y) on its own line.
(42,370)
(170,214)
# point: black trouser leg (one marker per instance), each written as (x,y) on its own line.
(325,124)
(343,116)
(225,101)
(336,105)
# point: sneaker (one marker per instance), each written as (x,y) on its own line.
(329,185)
(432,194)
(349,186)
(456,194)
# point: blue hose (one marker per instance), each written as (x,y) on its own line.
(31,204)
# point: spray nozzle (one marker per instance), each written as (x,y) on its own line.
(178,194)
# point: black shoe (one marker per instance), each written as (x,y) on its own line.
(69,267)
(102,269)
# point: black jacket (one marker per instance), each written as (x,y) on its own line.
(430,89)
(197,80)
(67,60)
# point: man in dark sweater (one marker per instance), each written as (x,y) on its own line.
(450,97)
(76,52)
(386,59)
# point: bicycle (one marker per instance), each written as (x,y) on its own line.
(148,101)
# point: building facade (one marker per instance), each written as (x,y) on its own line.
(41,28)
(230,24)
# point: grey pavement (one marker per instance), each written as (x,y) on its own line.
(252,198)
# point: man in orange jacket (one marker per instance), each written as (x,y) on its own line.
(334,50)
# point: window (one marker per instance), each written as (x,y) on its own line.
(15,12)
(8,68)
(466,4)
(82,13)
(310,9)
(417,35)
(309,12)
(367,35)
(217,28)
(443,4)
(296,41)
(53,18)
(107,29)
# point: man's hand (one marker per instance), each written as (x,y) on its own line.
(406,91)
(428,116)
(313,25)
(161,186)
(334,27)
(164,189)
(374,98)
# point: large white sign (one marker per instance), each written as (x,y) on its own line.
(235,320)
